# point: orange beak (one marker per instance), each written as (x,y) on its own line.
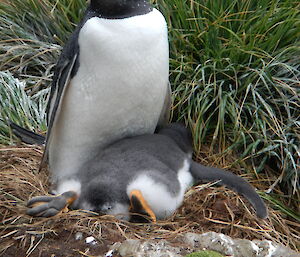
(139,205)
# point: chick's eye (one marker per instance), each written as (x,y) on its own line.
(106,207)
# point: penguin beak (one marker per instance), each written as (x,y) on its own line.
(139,205)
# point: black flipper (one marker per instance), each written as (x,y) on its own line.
(55,102)
(208,174)
(26,135)
(66,68)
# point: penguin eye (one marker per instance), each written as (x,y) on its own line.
(106,207)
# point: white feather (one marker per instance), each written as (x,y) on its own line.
(118,91)
(160,200)
(69,185)
(119,210)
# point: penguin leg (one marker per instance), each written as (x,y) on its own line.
(48,206)
(139,205)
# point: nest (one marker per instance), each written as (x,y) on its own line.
(205,208)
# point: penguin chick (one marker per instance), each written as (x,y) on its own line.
(149,175)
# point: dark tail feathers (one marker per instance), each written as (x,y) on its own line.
(234,182)
(26,135)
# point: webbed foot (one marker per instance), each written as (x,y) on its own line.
(48,206)
(138,205)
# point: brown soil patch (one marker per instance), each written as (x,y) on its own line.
(206,208)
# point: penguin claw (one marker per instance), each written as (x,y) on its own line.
(50,213)
(38,200)
(139,205)
(49,206)
(42,210)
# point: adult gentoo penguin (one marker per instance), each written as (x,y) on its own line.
(111,82)
(146,174)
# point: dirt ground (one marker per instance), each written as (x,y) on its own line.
(63,244)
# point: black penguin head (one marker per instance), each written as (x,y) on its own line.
(118,9)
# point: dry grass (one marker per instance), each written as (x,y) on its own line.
(205,208)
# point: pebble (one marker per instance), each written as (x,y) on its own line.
(91,240)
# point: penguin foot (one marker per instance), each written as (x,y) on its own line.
(48,206)
(140,208)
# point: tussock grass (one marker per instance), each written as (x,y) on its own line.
(18,106)
(31,35)
(236,76)
(32,32)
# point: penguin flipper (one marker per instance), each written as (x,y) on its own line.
(48,206)
(139,206)
(58,89)
(208,174)
(26,135)
(66,67)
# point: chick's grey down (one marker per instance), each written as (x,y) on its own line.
(160,166)
(111,82)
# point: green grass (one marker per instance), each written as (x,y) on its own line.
(32,32)
(18,106)
(234,70)
(31,35)
(204,254)
(277,204)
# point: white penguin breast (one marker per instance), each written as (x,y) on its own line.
(118,91)
(161,201)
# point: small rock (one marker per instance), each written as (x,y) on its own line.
(91,240)
(110,253)
(237,247)
(129,246)
(148,248)
(210,241)
(78,236)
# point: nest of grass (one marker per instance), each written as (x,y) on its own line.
(206,208)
